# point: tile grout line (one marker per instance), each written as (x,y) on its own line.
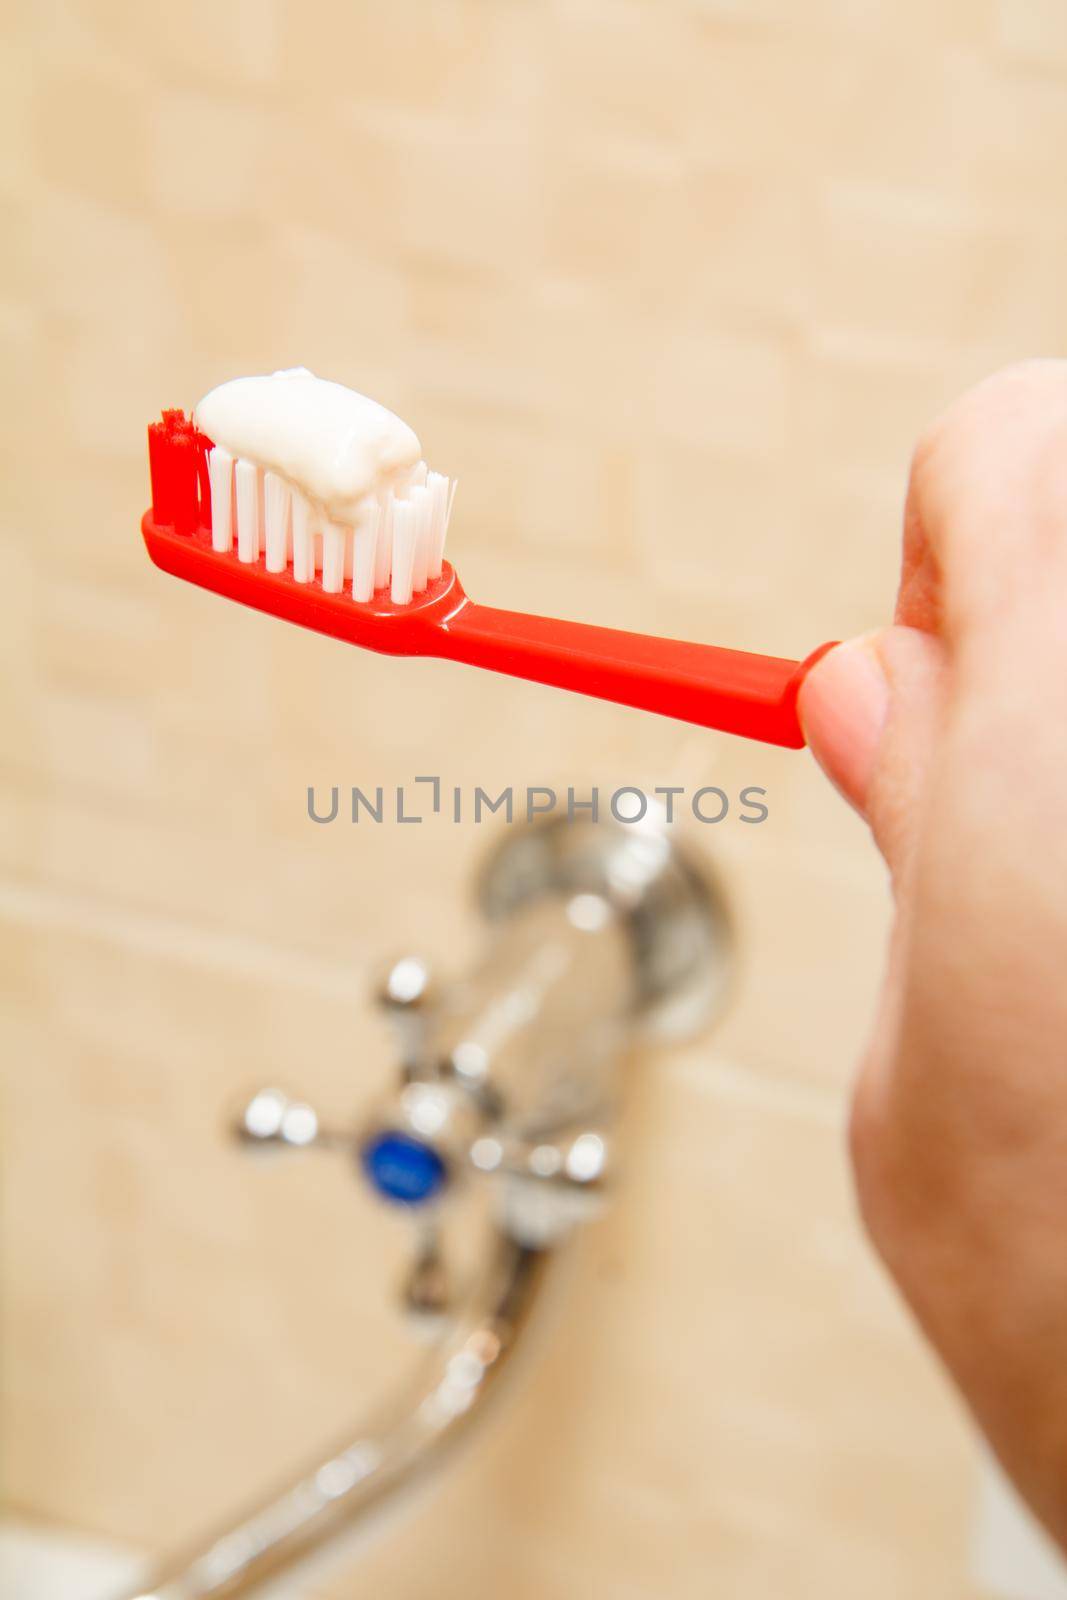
(765,1090)
(241,956)
(237,954)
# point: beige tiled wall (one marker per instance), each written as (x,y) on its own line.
(670,285)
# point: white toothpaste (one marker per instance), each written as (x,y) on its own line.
(310,474)
(340,449)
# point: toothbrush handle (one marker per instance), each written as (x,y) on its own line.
(730,690)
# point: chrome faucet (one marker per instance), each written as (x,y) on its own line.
(601,935)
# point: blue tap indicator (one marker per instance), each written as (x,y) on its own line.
(403,1169)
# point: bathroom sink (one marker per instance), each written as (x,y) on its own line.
(38,1562)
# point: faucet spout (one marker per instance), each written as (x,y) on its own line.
(311,1520)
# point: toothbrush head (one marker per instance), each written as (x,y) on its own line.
(227,525)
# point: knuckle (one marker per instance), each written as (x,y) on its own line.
(1018,404)
(996,454)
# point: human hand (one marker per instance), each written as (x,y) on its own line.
(948,732)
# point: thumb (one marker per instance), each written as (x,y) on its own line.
(871,710)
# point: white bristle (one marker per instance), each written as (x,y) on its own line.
(437,484)
(448,518)
(398,544)
(403,551)
(364,547)
(384,553)
(220,476)
(334,538)
(303,547)
(423,504)
(247,476)
(276,496)
(261,508)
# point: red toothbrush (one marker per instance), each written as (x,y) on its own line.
(730,690)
